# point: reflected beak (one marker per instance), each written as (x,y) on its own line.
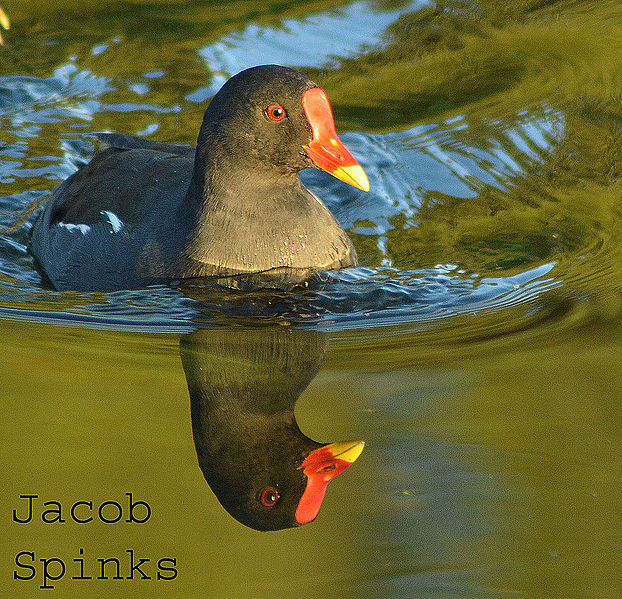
(326,149)
(320,467)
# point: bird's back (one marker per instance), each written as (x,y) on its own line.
(113,224)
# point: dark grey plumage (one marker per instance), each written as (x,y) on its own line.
(144,212)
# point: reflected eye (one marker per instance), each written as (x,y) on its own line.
(269,497)
(328,468)
(275,112)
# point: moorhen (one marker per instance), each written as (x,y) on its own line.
(143,212)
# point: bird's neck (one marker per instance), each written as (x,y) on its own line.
(241,214)
(226,426)
(255,217)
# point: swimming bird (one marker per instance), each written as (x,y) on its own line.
(243,385)
(233,209)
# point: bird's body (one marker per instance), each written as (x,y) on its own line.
(234,209)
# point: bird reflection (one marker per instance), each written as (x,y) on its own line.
(243,386)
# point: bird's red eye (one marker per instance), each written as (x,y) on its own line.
(269,497)
(275,112)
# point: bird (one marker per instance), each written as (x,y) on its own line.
(233,210)
(243,385)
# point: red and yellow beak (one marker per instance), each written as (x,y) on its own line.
(320,467)
(326,149)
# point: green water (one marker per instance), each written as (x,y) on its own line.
(477,350)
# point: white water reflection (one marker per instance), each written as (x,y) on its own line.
(314,41)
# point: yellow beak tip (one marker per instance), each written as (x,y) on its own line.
(353,175)
(348,451)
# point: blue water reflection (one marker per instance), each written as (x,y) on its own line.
(317,40)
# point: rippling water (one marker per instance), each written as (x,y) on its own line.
(477,346)
(458,157)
